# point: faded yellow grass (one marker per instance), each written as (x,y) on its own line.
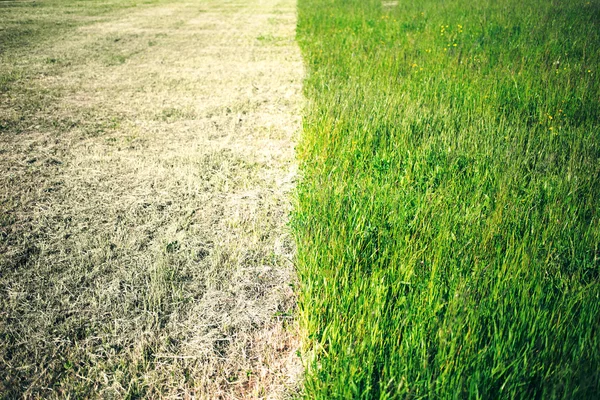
(145,201)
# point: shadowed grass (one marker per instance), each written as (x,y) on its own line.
(448,216)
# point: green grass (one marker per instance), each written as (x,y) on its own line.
(448,213)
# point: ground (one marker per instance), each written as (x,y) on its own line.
(147,159)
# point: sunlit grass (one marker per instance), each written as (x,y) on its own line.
(448,216)
(146,158)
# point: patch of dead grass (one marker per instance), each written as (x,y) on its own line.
(144,189)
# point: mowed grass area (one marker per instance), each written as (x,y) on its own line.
(146,158)
(448,216)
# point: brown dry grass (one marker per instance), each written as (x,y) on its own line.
(146,163)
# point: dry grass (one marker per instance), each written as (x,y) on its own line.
(146,162)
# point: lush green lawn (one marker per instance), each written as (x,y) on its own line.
(448,215)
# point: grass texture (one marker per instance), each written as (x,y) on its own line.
(146,159)
(448,214)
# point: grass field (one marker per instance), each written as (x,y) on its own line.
(146,157)
(448,215)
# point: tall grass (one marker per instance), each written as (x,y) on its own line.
(448,213)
